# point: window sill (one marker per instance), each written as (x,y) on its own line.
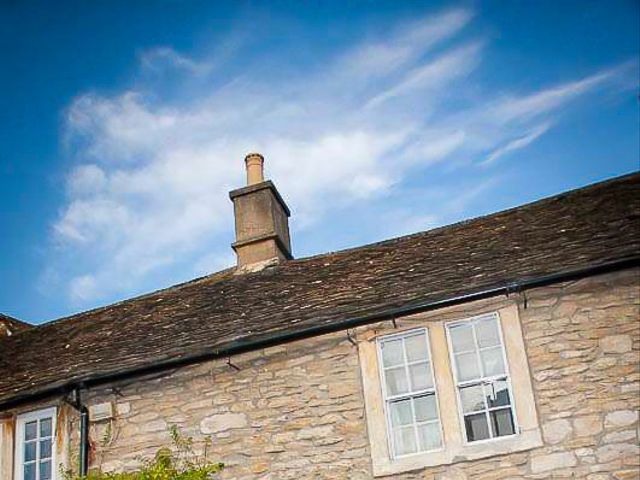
(460,453)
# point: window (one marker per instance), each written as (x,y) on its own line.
(482,378)
(409,393)
(447,386)
(35,439)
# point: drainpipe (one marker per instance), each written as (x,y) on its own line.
(83,466)
(84,440)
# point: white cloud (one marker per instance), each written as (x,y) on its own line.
(148,195)
(161,58)
(409,42)
(434,74)
(86,180)
(517,143)
(532,105)
(82,288)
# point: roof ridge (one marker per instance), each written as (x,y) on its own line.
(176,286)
(591,186)
(227,271)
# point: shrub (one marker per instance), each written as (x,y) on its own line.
(179,463)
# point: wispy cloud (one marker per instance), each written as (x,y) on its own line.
(406,45)
(160,58)
(148,193)
(434,74)
(516,143)
(528,106)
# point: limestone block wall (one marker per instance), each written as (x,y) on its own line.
(297,411)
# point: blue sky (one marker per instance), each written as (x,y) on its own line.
(124,125)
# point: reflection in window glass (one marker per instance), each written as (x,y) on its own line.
(472,398)
(30,430)
(481,377)
(396,379)
(476,427)
(409,392)
(502,422)
(467,366)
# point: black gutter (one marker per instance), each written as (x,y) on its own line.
(242,346)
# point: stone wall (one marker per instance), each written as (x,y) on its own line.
(297,411)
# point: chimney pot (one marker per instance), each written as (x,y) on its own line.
(255,168)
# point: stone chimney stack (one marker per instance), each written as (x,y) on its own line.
(262,219)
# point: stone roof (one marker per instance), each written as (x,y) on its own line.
(10,326)
(592,226)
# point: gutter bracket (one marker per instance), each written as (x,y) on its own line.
(235,367)
(524,298)
(519,289)
(117,392)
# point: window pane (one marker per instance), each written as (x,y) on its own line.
(405,440)
(467,366)
(45,470)
(45,427)
(487,333)
(492,361)
(392,353)
(401,413)
(30,451)
(45,448)
(476,427)
(396,381)
(416,347)
(502,421)
(462,338)
(425,408)
(30,471)
(472,398)
(420,376)
(30,430)
(498,394)
(429,435)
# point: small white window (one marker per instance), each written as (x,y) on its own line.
(482,378)
(409,393)
(35,440)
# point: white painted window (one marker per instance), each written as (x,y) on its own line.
(35,440)
(482,378)
(409,393)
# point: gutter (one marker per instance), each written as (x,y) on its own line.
(243,346)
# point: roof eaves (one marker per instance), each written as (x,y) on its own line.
(245,345)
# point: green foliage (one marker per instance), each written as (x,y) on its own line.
(179,463)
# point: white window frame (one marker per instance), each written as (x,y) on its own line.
(482,380)
(455,449)
(21,421)
(410,395)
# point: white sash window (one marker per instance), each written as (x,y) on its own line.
(409,393)
(482,378)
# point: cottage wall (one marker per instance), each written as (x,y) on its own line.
(297,411)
